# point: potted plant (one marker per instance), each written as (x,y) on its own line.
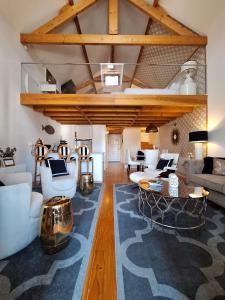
(6,156)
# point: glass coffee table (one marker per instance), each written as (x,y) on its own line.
(176,208)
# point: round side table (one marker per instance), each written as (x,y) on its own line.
(56,224)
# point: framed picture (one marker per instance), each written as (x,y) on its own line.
(8,162)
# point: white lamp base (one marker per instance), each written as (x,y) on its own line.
(198,151)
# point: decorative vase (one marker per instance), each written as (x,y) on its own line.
(173,180)
(173,191)
(86,183)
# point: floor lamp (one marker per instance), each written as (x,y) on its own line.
(198,137)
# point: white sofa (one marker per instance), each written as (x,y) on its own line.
(59,186)
(20,211)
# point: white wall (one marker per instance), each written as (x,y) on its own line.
(20,126)
(68,133)
(216,85)
(95,132)
(99,138)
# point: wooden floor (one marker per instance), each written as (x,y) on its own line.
(100,282)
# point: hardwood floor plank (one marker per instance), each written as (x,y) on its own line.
(100,283)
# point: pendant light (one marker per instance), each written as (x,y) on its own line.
(151,128)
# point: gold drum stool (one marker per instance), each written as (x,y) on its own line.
(86,183)
(56,224)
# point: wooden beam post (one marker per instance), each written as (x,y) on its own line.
(112,54)
(113,16)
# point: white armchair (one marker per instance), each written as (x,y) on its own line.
(61,185)
(20,211)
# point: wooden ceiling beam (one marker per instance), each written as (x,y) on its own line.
(65,15)
(85,55)
(87,109)
(139,83)
(84,115)
(112,100)
(101,39)
(159,15)
(84,84)
(113,16)
(114,119)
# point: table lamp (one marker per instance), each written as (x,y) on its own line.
(198,137)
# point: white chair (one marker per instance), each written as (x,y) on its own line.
(174,156)
(151,172)
(151,157)
(131,162)
(61,185)
(20,211)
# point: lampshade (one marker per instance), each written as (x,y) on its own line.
(151,128)
(198,136)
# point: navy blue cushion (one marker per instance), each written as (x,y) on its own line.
(170,162)
(47,161)
(162,163)
(2,184)
(58,167)
(140,155)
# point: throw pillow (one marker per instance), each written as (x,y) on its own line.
(2,184)
(47,161)
(58,167)
(140,155)
(208,164)
(218,166)
(166,173)
(170,162)
(162,163)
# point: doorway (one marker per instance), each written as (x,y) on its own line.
(114,147)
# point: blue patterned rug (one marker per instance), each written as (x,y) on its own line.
(31,274)
(152,263)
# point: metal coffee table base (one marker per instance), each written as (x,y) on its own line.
(174,213)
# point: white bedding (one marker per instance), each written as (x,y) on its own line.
(151,91)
